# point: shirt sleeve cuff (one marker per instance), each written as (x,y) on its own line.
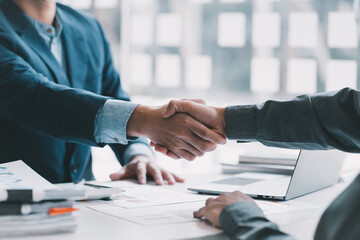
(240,122)
(137,149)
(111,122)
(234,215)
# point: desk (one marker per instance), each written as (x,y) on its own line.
(97,225)
(93,224)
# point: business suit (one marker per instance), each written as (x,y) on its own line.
(322,121)
(47,115)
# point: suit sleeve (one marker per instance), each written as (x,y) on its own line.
(245,220)
(112,87)
(318,122)
(30,100)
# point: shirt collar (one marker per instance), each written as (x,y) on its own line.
(48,30)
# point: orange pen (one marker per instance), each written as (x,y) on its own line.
(57,211)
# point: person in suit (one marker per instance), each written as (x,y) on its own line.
(314,122)
(60,94)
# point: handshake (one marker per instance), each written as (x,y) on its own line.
(181,129)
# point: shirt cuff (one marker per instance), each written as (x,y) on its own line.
(111,122)
(137,149)
(236,214)
(240,122)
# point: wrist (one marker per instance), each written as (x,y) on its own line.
(221,120)
(137,123)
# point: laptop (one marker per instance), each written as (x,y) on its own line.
(314,170)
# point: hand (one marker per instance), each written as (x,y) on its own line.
(181,134)
(213,118)
(214,206)
(140,166)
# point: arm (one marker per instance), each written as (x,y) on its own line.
(240,218)
(30,100)
(321,121)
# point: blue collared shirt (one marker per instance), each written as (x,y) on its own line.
(111,121)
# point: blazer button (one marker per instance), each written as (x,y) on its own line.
(74,168)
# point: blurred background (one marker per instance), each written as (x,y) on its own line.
(226,52)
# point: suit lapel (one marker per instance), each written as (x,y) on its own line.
(74,44)
(38,45)
(26,31)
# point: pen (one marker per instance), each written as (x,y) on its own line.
(58,211)
(7,208)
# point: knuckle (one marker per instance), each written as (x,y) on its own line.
(172,103)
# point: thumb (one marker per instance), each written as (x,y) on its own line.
(118,175)
(174,107)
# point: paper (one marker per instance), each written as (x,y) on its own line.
(160,215)
(137,196)
(274,207)
(18,175)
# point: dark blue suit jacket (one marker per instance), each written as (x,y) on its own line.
(46,115)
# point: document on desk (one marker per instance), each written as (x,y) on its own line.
(278,207)
(137,196)
(18,175)
(154,216)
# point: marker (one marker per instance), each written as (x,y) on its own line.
(58,211)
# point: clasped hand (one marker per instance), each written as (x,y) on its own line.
(211,120)
(186,129)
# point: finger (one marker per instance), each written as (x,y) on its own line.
(175,106)
(152,144)
(190,148)
(172,155)
(170,110)
(155,172)
(201,146)
(141,172)
(183,153)
(161,149)
(209,200)
(207,134)
(177,178)
(199,213)
(118,175)
(168,177)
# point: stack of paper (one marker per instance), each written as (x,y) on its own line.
(268,162)
(25,210)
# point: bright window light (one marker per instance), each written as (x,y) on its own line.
(168,71)
(168,30)
(141,70)
(303,29)
(340,74)
(198,72)
(342,32)
(101,4)
(265,75)
(201,1)
(231,30)
(141,4)
(266,30)
(141,30)
(83,4)
(302,75)
(232,1)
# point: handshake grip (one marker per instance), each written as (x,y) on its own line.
(181,129)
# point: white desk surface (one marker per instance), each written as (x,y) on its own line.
(97,225)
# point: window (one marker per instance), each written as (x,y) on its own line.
(218,48)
